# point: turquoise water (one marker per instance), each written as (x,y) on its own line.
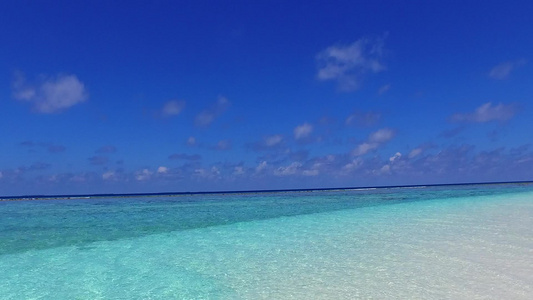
(463,242)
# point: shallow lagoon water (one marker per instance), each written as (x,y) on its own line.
(463,242)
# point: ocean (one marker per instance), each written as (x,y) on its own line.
(426,242)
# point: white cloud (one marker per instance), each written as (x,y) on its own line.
(239,170)
(385,169)
(51,95)
(364,148)
(52,178)
(487,113)
(503,70)
(415,152)
(303,131)
(351,118)
(288,170)
(363,119)
(214,172)
(162,170)
(375,139)
(313,172)
(351,166)
(348,63)
(382,135)
(273,140)
(79,178)
(268,143)
(201,172)
(144,174)
(24,93)
(206,117)
(172,108)
(395,157)
(108,175)
(262,166)
(191,141)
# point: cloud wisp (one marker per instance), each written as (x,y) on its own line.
(303,131)
(261,167)
(223,145)
(270,142)
(162,170)
(385,88)
(503,70)
(375,140)
(191,141)
(109,175)
(363,119)
(143,175)
(172,108)
(291,169)
(415,152)
(347,64)
(486,113)
(273,140)
(206,117)
(51,94)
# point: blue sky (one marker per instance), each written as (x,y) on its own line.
(156,96)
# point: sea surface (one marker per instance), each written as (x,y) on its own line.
(434,242)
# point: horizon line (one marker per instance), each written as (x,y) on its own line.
(162,194)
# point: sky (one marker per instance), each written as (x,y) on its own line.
(187,96)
